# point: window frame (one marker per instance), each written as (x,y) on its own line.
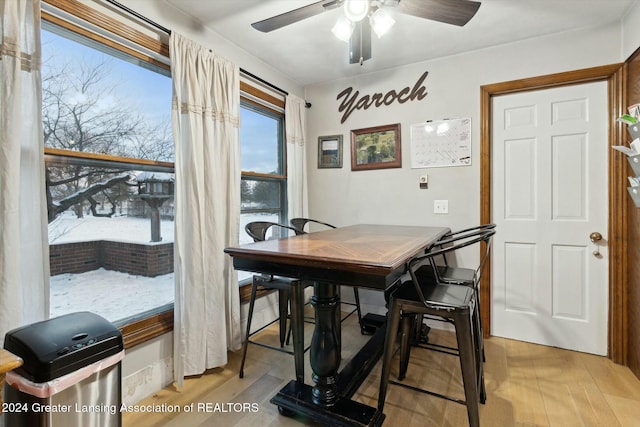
(281,178)
(160,319)
(158,322)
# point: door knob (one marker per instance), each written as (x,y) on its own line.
(595,236)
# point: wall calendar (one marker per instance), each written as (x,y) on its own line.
(441,143)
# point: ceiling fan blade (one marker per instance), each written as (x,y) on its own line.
(293,16)
(456,12)
(360,43)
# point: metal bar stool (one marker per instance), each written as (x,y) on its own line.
(444,272)
(290,292)
(422,295)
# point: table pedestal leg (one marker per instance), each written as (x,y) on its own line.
(328,401)
(325,345)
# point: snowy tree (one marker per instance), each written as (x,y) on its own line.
(82,112)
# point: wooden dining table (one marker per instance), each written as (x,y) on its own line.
(369,256)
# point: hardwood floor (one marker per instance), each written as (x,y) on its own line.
(527,385)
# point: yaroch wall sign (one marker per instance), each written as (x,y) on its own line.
(352,101)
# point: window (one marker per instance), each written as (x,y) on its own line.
(99,100)
(110,241)
(109,159)
(109,176)
(263,184)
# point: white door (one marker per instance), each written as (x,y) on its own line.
(549,190)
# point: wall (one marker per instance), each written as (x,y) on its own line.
(631,41)
(145,260)
(74,258)
(148,367)
(393,196)
(631,30)
(166,15)
(633,244)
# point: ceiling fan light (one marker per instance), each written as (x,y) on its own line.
(381,22)
(356,10)
(343,29)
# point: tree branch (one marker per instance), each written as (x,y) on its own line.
(85,194)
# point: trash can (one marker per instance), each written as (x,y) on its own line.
(71,376)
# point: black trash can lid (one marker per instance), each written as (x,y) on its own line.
(55,347)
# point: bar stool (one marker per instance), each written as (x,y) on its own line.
(448,302)
(290,293)
(443,272)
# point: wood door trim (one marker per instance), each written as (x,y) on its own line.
(614,75)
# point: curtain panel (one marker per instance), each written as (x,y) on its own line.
(205,116)
(24,247)
(295,137)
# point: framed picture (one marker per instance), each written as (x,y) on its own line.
(376,148)
(330,151)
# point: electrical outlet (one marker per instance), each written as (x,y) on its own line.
(440,206)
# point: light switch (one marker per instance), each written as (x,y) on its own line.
(441,206)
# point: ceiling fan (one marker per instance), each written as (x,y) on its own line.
(356,30)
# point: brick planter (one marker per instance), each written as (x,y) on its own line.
(133,258)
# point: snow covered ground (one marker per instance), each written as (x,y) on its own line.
(112,294)
(67,228)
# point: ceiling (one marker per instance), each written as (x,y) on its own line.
(308,53)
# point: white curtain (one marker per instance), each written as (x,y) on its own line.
(295,136)
(205,116)
(24,248)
